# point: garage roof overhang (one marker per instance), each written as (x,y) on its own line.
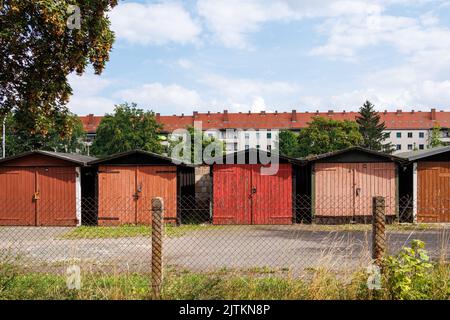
(69,158)
(353,155)
(253,156)
(138,157)
(439,154)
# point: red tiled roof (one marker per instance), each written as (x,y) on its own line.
(285,120)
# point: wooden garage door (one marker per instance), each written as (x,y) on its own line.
(116,191)
(156,181)
(433,191)
(125,193)
(347,189)
(232,194)
(242,195)
(16,197)
(272,196)
(57,196)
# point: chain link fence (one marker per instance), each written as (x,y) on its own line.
(115,235)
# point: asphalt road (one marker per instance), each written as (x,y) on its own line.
(234,247)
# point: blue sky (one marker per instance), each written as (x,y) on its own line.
(208,55)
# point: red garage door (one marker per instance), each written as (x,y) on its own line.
(17,207)
(56,205)
(38,196)
(125,193)
(242,195)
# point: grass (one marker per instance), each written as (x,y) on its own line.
(368,227)
(181,285)
(126,231)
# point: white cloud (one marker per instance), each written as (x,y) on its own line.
(158,24)
(87,95)
(161,97)
(242,94)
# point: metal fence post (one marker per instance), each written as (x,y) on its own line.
(157,235)
(378,230)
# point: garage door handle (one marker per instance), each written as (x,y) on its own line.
(358,191)
(253,190)
(36,195)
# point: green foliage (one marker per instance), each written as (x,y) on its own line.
(128,128)
(288,142)
(38,52)
(435,138)
(372,130)
(194,134)
(408,275)
(325,135)
(19,139)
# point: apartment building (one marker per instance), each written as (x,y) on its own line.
(408,130)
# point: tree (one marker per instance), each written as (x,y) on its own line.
(325,135)
(39,47)
(288,143)
(372,130)
(207,141)
(19,140)
(128,128)
(435,137)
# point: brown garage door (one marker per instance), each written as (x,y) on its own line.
(38,196)
(125,193)
(17,207)
(57,203)
(433,191)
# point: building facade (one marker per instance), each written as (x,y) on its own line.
(408,130)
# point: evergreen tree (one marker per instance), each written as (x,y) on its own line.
(372,130)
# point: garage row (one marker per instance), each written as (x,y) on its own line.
(43,188)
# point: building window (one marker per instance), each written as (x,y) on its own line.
(210,135)
(410,146)
(269,148)
(257,146)
(247,147)
(410,134)
(399,134)
(235,146)
(399,147)
(421,135)
(247,135)
(257,135)
(421,147)
(269,135)
(388,135)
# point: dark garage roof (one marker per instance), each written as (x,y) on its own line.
(420,154)
(353,149)
(70,157)
(159,159)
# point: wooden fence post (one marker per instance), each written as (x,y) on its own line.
(378,230)
(157,238)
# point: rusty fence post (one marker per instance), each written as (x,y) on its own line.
(378,230)
(157,238)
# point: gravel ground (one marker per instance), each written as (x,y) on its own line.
(233,247)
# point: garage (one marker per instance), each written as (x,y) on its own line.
(243,194)
(41,188)
(430,180)
(128,181)
(343,184)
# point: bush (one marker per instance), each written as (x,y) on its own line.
(409,275)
